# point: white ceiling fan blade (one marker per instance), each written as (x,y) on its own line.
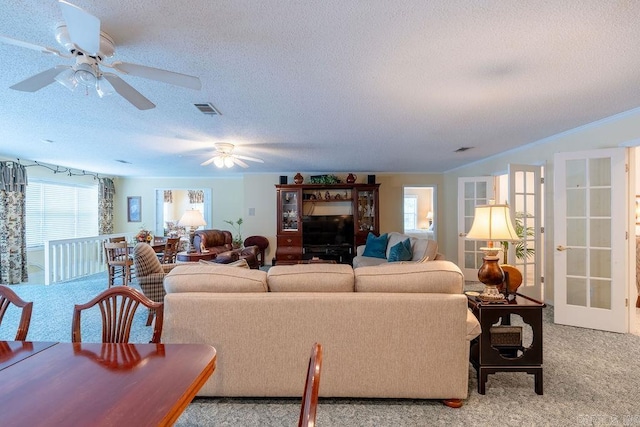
(165,76)
(83,27)
(239,162)
(128,92)
(208,162)
(40,80)
(20,43)
(251,159)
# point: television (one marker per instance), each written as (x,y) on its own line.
(322,230)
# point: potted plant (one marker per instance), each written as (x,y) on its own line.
(522,251)
(237,239)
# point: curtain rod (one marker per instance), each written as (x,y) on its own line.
(59,169)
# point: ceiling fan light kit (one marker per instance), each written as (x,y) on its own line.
(82,38)
(224,157)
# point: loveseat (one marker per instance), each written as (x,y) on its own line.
(219,242)
(421,250)
(392,331)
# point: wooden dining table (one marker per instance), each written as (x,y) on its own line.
(82,384)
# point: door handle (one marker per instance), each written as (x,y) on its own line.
(561,248)
(462,234)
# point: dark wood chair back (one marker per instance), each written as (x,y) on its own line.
(311,388)
(8,296)
(170,250)
(118,306)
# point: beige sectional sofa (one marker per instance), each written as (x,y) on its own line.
(392,331)
(422,250)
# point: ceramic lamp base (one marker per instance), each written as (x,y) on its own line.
(491,275)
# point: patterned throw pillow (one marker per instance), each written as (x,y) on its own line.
(401,251)
(376,247)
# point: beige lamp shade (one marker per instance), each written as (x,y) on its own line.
(492,222)
(192,218)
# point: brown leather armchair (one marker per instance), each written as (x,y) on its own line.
(219,243)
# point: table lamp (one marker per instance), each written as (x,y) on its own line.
(492,223)
(192,219)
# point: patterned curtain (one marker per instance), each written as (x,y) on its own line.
(106,191)
(196,196)
(168,196)
(13,242)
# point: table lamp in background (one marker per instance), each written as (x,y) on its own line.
(492,223)
(192,219)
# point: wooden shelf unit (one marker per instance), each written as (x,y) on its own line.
(297,200)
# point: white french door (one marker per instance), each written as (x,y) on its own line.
(471,192)
(590,239)
(525,200)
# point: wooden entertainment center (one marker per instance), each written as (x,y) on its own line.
(324,221)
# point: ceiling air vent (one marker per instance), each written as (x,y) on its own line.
(461,149)
(208,109)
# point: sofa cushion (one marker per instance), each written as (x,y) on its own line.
(362,261)
(424,250)
(376,247)
(196,277)
(430,277)
(310,278)
(401,251)
(395,238)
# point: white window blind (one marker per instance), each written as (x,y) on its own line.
(410,212)
(58,211)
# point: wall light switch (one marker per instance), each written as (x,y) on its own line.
(252,211)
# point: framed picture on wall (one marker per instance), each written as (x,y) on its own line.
(134,206)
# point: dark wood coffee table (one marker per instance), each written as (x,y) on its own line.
(195,256)
(488,357)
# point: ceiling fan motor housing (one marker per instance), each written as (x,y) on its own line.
(107,45)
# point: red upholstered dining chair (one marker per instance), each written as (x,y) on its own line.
(311,388)
(8,296)
(118,305)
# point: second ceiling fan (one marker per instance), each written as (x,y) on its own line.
(224,157)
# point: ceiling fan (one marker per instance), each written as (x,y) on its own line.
(224,157)
(88,46)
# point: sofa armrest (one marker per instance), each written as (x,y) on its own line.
(250,250)
(473,326)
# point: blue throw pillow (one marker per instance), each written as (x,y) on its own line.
(401,251)
(376,247)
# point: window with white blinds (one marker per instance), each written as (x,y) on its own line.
(410,212)
(58,211)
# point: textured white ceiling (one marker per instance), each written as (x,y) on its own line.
(327,86)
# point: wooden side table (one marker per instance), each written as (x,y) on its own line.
(489,358)
(194,256)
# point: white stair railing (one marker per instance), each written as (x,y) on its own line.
(68,259)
